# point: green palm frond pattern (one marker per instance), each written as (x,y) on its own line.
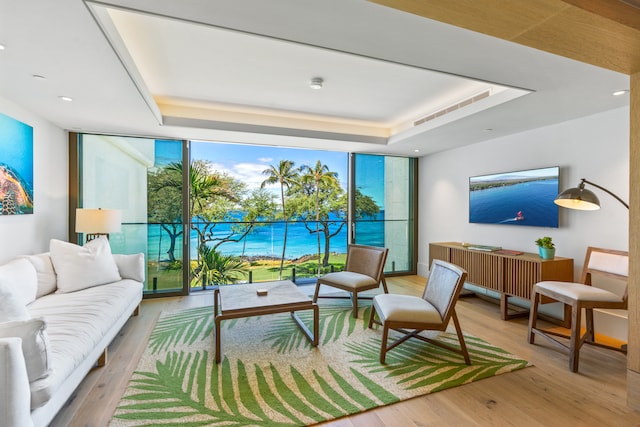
(271,376)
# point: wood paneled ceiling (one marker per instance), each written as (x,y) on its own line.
(605,33)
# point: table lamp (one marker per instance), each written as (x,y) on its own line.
(98,222)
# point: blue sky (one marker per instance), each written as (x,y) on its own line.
(246,162)
(532,173)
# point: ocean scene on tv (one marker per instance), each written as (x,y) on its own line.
(515,198)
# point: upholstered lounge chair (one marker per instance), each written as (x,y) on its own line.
(364,270)
(432,311)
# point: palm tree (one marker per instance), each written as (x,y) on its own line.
(285,175)
(320,177)
(216,268)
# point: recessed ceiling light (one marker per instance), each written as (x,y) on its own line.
(39,77)
(416,150)
(66,98)
(2,47)
(620,92)
(316,83)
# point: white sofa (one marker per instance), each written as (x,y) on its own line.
(58,313)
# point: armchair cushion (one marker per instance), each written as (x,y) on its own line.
(577,291)
(348,279)
(34,344)
(405,308)
(81,267)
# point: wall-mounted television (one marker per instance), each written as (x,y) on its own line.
(516,198)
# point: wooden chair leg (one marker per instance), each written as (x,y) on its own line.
(355,304)
(574,347)
(371,316)
(384,285)
(383,344)
(463,345)
(590,336)
(315,294)
(533,316)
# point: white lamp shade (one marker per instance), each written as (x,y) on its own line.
(95,221)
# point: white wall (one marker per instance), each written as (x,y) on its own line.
(594,147)
(29,234)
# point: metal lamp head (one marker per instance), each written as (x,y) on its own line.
(578,198)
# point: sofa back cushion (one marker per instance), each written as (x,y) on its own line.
(131,266)
(11,307)
(45,272)
(21,277)
(35,344)
(81,267)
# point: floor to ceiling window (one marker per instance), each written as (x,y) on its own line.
(138,177)
(255,213)
(390,221)
(282,211)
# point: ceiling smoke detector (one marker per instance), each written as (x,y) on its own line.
(316,83)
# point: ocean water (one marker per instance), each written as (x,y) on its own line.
(500,205)
(268,241)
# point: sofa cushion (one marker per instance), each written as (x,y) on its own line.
(81,267)
(11,307)
(76,323)
(21,277)
(130,266)
(35,345)
(45,272)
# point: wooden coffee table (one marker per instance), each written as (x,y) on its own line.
(283,296)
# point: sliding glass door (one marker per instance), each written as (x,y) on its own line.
(384,198)
(142,178)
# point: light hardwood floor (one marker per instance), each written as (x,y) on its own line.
(546,394)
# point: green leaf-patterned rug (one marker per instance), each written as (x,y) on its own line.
(270,375)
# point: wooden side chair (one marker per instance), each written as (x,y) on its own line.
(613,268)
(364,270)
(432,311)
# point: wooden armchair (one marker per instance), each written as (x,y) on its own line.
(609,264)
(431,312)
(364,270)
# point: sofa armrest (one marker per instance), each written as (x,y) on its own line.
(130,266)
(15,395)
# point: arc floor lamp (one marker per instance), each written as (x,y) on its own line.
(583,199)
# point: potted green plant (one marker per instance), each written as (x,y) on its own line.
(546,247)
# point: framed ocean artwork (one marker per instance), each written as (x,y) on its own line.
(515,198)
(16,167)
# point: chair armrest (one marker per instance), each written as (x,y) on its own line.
(15,394)
(130,266)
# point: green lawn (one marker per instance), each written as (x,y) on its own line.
(261,271)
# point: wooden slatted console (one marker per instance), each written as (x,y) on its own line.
(509,275)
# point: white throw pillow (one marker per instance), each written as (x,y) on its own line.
(46,273)
(21,277)
(11,308)
(130,266)
(81,267)
(35,344)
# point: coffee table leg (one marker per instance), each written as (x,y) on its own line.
(312,337)
(217,332)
